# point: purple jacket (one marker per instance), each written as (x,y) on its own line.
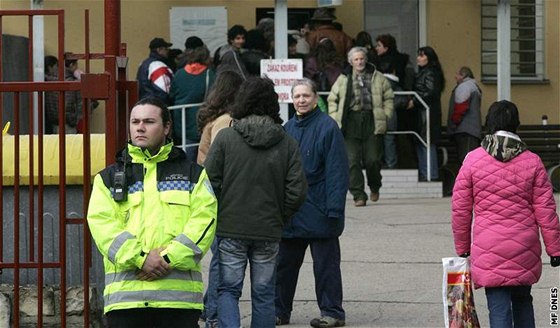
(512,199)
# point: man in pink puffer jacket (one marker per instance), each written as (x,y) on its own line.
(509,190)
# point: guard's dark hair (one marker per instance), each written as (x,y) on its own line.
(502,115)
(236,30)
(165,115)
(220,98)
(256,96)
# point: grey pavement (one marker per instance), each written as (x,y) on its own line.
(392,271)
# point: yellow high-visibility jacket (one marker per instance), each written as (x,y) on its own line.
(171,204)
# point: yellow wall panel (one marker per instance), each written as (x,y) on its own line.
(74,158)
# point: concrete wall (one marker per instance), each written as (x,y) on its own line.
(454,32)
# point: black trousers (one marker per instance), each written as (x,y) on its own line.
(465,143)
(153,318)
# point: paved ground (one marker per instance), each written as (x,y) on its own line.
(392,272)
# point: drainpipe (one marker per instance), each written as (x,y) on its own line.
(112,45)
(38,58)
(504,49)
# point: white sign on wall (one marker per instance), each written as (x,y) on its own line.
(283,72)
(208,23)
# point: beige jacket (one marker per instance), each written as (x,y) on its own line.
(209,133)
(382,100)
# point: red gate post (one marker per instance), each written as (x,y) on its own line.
(112,44)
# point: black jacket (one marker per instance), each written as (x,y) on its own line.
(428,84)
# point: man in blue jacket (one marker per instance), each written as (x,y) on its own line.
(320,220)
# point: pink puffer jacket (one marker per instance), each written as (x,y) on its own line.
(511,201)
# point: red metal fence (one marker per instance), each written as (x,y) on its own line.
(29,255)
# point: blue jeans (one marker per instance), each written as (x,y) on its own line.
(390,150)
(211,295)
(233,257)
(422,155)
(510,307)
(326,269)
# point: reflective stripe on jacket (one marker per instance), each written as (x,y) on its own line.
(170,204)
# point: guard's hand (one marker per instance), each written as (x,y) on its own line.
(154,267)
(554,261)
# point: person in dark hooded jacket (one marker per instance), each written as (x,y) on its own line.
(257,175)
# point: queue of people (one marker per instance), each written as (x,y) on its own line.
(259,193)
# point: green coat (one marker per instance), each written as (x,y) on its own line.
(382,99)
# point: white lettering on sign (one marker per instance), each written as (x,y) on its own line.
(283,72)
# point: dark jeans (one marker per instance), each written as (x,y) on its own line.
(510,307)
(326,269)
(153,318)
(465,143)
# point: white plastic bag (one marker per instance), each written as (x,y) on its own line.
(458,298)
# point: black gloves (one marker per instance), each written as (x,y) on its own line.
(555,261)
(467,254)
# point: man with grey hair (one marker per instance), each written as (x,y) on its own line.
(361,101)
(463,119)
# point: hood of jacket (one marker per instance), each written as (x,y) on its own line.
(259,131)
(503,146)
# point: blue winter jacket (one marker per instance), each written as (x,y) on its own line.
(325,163)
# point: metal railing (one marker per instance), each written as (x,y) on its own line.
(428,141)
(183,108)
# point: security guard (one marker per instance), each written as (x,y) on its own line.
(153,217)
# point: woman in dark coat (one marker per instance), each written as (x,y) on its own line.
(429,84)
(386,51)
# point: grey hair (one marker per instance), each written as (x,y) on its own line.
(354,50)
(466,72)
(307,82)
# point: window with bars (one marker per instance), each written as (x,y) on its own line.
(527,40)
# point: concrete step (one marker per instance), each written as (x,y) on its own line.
(400,184)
